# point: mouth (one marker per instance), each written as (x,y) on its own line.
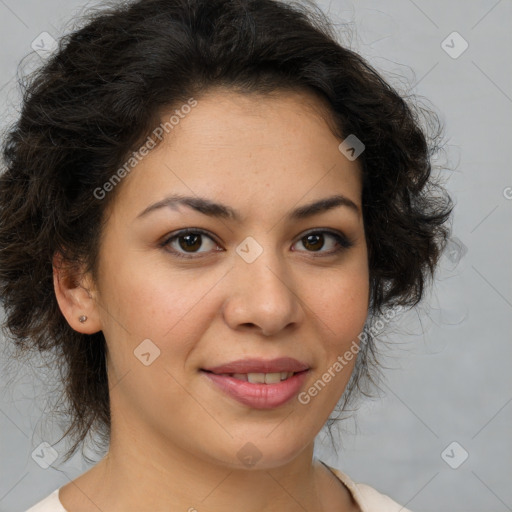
(259,384)
(276,369)
(259,378)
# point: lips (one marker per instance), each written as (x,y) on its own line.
(258,383)
(247,366)
(260,378)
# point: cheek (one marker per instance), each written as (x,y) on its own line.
(342,310)
(159,305)
(342,303)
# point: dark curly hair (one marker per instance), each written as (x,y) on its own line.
(102,93)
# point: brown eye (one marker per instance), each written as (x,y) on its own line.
(314,242)
(317,240)
(188,242)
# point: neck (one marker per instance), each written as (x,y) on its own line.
(175,480)
(145,470)
(140,476)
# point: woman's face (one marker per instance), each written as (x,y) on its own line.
(263,286)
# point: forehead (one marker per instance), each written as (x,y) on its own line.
(246,147)
(251,118)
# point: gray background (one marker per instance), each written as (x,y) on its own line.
(449,376)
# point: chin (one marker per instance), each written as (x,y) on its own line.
(260,453)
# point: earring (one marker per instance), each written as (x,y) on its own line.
(82,318)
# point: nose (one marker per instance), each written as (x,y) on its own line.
(262,297)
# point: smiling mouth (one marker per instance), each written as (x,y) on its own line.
(259,378)
(258,390)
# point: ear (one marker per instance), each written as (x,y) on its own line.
(76,295)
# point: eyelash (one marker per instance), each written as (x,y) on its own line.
(343,242)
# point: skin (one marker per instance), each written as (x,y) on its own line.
(175,436)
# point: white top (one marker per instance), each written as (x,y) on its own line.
(367,498)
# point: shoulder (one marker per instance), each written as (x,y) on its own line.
(49,504)
(368,498)
(374,501)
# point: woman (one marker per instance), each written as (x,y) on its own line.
(204,204)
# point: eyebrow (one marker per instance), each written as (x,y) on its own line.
(219,210)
